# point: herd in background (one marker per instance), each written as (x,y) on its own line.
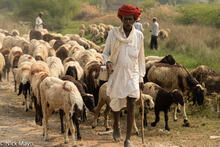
(61,73)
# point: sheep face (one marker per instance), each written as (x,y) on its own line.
(178,97)
(88,99)
(71,71)
(149,104)
(39,58)
(198,94)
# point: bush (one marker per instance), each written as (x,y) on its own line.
(57,13)
(205,14)
(148,3)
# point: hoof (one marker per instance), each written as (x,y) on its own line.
(93,127)
(66,141)
(26,110)
(175,120)
(31,107)
(178,111)
(45,139)
(137,133)
(23,103)
(79,137)
(153,124)
(107,129)
(128,143)
(167,128)
(39,123)
(145,124)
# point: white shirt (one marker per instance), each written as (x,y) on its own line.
(138,26)
(38,24)
(155,29)
(129,69)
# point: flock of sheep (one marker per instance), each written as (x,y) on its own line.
(62,73)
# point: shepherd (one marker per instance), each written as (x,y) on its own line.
(124,58)
(39,22)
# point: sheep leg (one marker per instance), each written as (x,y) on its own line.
(15,88)
(0,77)
(61,120)
(135,127)
(31,100)
(97,111)
(67,124)
(157,118)
(106,114)
(45,122)
(166,120)
(72,129)
(174,114)
(76,122)
(26,104)
(184,115)
(84,118)
(145,118)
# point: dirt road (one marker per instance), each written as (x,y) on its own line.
(18,126)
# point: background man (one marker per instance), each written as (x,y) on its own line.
(138,25)
(124,57)
(39,22)
(154,34)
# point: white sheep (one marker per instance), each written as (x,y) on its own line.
(56,67)
(55,95)
(2,65)
(68,67)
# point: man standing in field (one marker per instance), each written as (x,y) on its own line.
(154,34)
(39,22)
(138,25)
(124,58)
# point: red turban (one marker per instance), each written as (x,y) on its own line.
(129,10)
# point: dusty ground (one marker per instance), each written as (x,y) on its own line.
(16,125)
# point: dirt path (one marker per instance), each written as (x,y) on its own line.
(16,125)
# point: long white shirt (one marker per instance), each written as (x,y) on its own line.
(129,69)
(38,24)
(155,29)
(138,26)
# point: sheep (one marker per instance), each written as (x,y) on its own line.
(163,34)
(92,70)
(56,67)
(62,52)
(22,78)
(172,77)
(202,72)
(57,94)
(104,99)
(2,65)
(35,35)
(84,57)
(93,45)
(15,32)
(82,33)
(152,58)
(47,37)
(25,58)
(5,52)
(79,40)
(99,36)
(82,27)
(88,100)
(39,71)
(41,52)
(212,84)
(57,44)
(14,56)
(163,100)
(73,69)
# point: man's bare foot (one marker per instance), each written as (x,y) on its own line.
(116,134)
(128,143)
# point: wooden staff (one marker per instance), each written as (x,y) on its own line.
(142,117)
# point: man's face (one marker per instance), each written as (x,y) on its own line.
(128,21)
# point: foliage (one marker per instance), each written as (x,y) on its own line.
(148,3)
(205,14)
(56,13)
